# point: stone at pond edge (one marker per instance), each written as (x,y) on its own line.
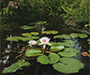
(68,65)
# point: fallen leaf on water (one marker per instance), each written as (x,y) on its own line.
(85,53)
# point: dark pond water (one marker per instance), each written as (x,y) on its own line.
(8,57)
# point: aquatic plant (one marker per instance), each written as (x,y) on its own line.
(47,52)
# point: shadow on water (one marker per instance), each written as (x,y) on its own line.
(8,57)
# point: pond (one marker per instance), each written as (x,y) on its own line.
(10,49)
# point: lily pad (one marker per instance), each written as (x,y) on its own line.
(14,38)
(62,36)
(89,51)
(43,59)
(29,38)
(56,48)
(34,33)
(57,43)
(15,66)
(69,43)
(51,59)
(83,35)
(27,27)
(88,39)
(33,52)
(26,34)
(69,52)
(50,32)
(88,42)
(68,65)
(75,35)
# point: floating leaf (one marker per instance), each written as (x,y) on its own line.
(68,65)
(27,27)
(15,66)
(88,39)
(29,38)
(50,32)
(43,59)
(53,58)
(57,43)
(14,38)
(33,52)
(69,43)
(56,48)
(69,52)
(85,53)
(62,36)
(83,35)
(89,51)
(34,33)
(75,35)
(26,34)
(88,42)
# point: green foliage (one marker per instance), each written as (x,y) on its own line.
(15,66)
(75,35)
(50,32)
(14,38)
(62,36)
(69,52)
(43,59)
(17,38)
(33,52)
(68,65)
(27,27)
(56,48)
(69,43)
(51,59)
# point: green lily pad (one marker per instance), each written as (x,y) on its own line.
(51,59)
(43,59)
(14,38)
(29,38)
(57,43)
(69,43)
(89,51)
(75,35)
(50,32)
(26,34)
(88,42)
(27,27)
(33,52)
(34,33)
(56,48)
(68,65)
(88,39)
(15,66)
(83,35)
(62,36)
(69,52)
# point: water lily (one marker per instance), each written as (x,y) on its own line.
(44,41)
(32,42)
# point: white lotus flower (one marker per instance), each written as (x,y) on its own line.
(32,42)
(44,41)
